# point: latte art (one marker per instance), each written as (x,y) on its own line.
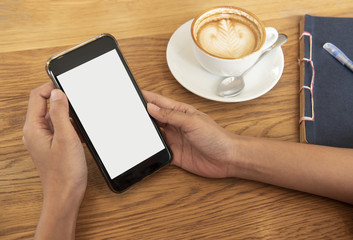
(227,38)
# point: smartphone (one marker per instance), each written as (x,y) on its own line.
(110,111)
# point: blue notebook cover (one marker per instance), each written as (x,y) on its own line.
(326,85)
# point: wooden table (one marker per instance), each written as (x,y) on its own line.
(172,204)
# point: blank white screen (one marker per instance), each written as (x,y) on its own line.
(110,110)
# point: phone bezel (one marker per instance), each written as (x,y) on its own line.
(80,54)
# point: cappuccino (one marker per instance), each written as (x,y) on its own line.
(226,41)
(229,35)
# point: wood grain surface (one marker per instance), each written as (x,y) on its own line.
(171,204)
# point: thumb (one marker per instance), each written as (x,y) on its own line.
(59,111)
(168,116)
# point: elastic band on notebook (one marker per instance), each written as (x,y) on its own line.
(311,87)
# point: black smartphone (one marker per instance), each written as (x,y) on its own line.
(110,111)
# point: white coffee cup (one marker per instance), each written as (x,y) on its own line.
(228,40)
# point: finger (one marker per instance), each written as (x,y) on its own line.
(168,116)
(160,124)
(77,130)
(37,104)
(59,113)
(167,103)
(24,141)
(49,122)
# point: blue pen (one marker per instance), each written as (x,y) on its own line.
(339,55)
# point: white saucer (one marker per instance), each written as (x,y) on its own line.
(189,73)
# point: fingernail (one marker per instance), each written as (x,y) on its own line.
(55,95)
(152,107)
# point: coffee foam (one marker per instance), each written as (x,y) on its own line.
(227,38)
(228,32)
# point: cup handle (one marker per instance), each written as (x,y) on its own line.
(271,37)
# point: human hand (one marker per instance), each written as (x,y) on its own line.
(54,146)
(198,144)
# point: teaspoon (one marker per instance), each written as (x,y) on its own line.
(231,86)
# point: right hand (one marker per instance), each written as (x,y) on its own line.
(198,144)
(59,157)
(54,145)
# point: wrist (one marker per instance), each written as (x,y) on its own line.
(64,197)
(59,214)
(61,208)
(242,164)
(62,204)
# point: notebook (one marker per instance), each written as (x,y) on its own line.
(326,94)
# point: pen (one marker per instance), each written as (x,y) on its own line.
(339,55)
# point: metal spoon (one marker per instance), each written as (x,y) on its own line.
(231,86)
